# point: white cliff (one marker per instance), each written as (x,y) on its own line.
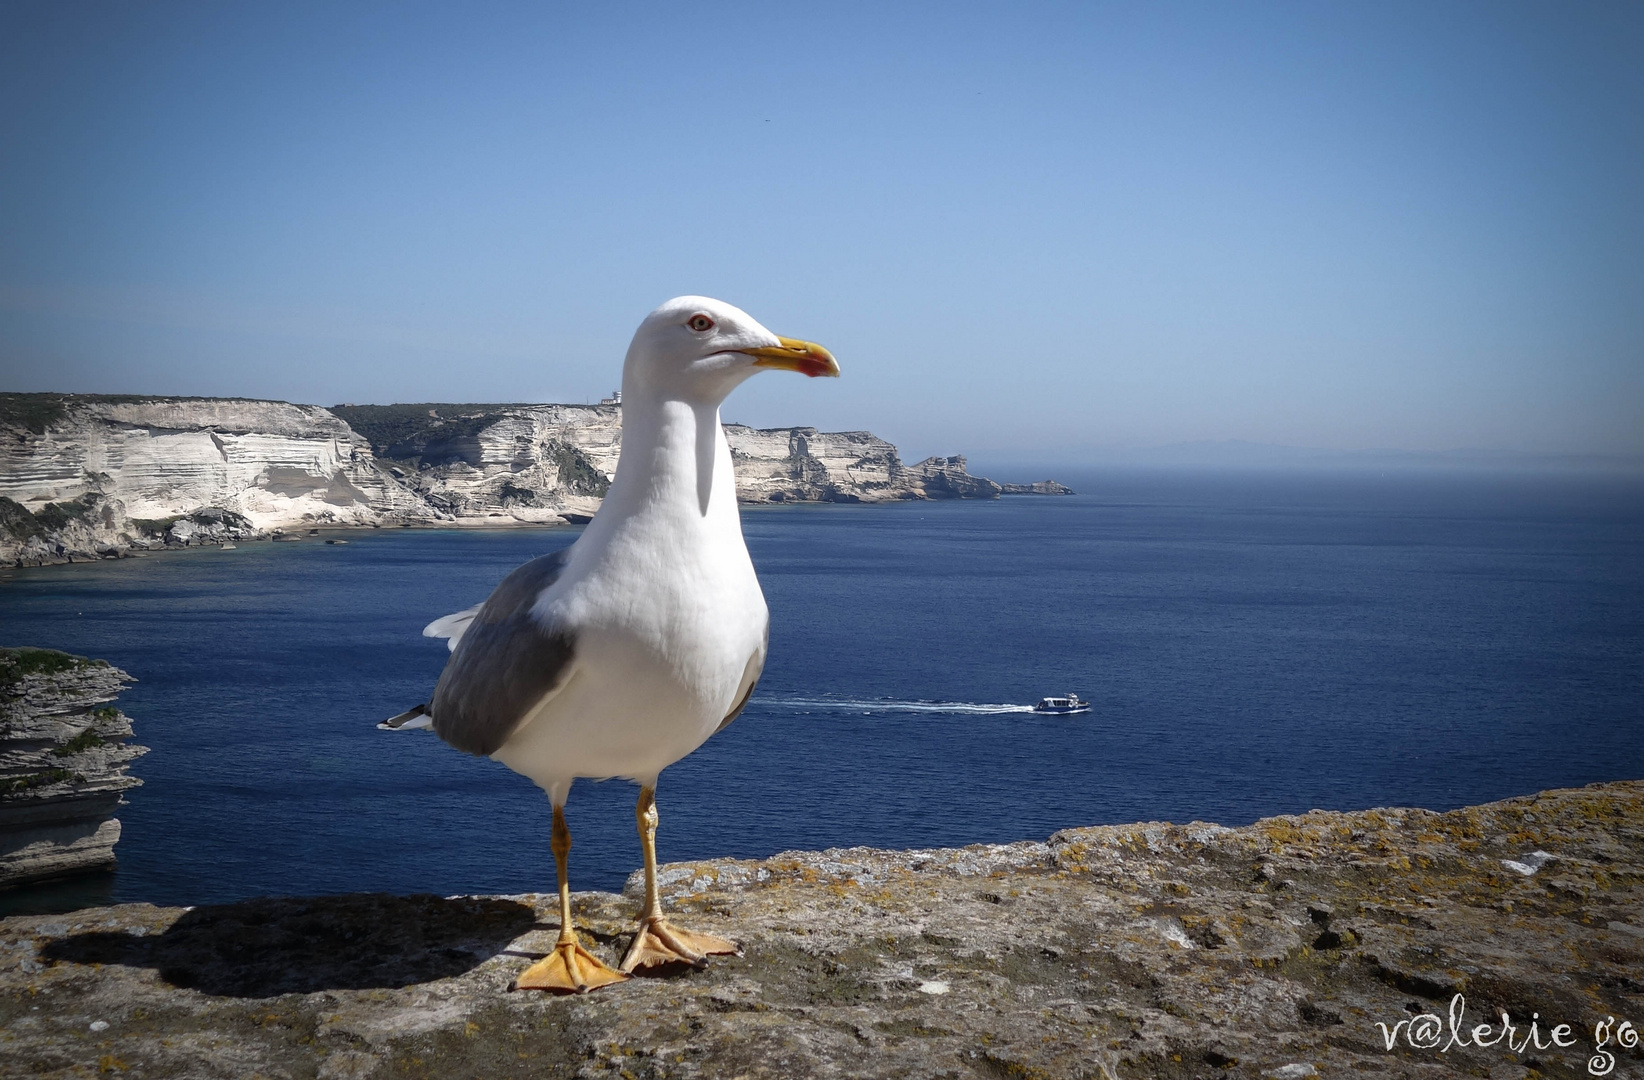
(492,464)
(63,758)
(108,473)
(530,462)
(806,465)
(93,477)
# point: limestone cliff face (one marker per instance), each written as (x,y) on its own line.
(541,462)
(807,465)
(63,758)
(94,476)
(492,464)
(90,477)
(267,460)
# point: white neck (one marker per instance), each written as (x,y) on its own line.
(674,460)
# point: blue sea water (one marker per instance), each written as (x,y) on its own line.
(1255,644)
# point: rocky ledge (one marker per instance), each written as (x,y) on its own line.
(1290,948)
(63,758)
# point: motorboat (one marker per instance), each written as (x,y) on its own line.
(1062,706)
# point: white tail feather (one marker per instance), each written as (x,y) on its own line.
(452,627)
(415,718)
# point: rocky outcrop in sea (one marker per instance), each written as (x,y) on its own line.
(1318,945)
(1038,487)
(63,758)
(87,476)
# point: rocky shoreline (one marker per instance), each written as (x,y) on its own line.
(84,477)
(63,758)
(1286,949)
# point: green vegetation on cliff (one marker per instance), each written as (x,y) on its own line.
(16,664)
(576,472)
(16,521)
(37,412)
(431,434)
(33,412)
(419,433)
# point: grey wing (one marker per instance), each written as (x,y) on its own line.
(750,679)
(505,663)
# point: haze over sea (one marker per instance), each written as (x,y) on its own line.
(1255,643)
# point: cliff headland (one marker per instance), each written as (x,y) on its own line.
(63,758)
(1327,944)
(87,476)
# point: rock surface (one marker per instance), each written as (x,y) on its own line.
(86,477)
(488,464)
(63,758)
(1038,487)
(805,465)
(93,476)
(1270,951)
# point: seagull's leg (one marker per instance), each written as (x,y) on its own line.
(657,942)
(569,968)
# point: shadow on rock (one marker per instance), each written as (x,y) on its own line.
(264,947)
(60,897)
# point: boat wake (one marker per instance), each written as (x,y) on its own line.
(884,706)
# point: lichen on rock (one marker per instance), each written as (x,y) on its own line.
(1144,950)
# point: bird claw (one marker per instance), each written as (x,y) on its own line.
(657,944)
(569,969)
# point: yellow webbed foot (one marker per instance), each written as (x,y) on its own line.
(569,969)
(658,943)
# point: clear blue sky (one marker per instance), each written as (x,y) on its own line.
(1027,231)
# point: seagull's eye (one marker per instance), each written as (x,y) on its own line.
(699,323)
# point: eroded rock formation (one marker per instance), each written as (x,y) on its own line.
(63,758)
(527,463)
(84,477)
(1270,952)
(1038,487)
(806,465)
(88,476)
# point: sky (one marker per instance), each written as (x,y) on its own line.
(1027,231)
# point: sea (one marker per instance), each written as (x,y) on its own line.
(1254,643)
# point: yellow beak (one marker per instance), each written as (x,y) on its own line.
(805,357)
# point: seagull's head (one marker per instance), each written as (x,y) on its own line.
(700,349)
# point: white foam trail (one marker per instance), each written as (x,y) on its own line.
(844,705)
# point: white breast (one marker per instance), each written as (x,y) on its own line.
(667,612)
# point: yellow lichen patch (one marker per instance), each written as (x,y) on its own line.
(1281,831)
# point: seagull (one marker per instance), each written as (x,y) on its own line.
(621,654)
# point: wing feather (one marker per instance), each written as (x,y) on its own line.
(504,662)
(451,627)
(750,679)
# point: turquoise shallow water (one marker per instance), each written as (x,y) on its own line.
(1254,644)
